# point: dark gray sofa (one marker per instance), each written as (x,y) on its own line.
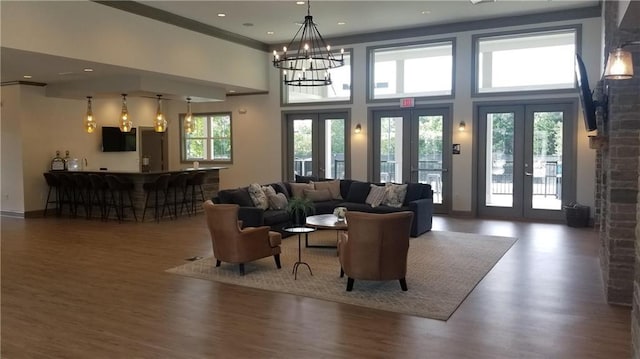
(419,200)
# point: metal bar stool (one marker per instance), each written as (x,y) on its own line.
(118,188)
(82,192)
(178,187)
(69,196)
(160,186)
(196,181)
(98,194)
(54,185)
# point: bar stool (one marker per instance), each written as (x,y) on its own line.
(98,194)
(69,195)
(196,180)
(178,186)
(160,186)
(117,189)
(82,193)
(54,185)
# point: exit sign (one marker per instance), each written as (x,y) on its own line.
(407,102)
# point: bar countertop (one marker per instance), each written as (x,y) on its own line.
(191,169)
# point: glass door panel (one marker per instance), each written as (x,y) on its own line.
(430,154)
(391,157)
(334,148)
(303,147)
(546,186)
(499,159)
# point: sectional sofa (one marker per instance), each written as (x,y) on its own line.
(329,194)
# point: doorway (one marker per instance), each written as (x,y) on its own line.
(526,160)
(411,146)
(153,150)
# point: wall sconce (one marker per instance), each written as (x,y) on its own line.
(188,118)
(619,64)
(89,123)
(159,124)
(358,128)
(462,126)
(125,122)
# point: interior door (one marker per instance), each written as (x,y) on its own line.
(318,145)
(411,146)
(525,161)
(153,150)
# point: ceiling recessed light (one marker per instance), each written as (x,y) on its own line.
(221,14)
(299,2)
(270,32)
(88,69)
(247,24)
(425,12)
(341,22)
(27,76)
(232,91)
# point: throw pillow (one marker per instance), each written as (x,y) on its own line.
(395,195)
(318,195)
(332,186)
(358,192)
(278,201)
(297,189)
(258,197)
(376,195)
(241,197)
(268,191)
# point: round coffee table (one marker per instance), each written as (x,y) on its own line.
(325,221)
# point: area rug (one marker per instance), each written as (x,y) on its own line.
(443,268)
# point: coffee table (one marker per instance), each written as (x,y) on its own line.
(300,231)
(325,221)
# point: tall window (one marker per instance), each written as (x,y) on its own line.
(416,70)
(526,61)
(210,140)
(338,91)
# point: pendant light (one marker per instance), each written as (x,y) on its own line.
(89,123)
(125,122)
(188,118)
(159,124)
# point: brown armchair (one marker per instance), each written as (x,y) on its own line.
(235,245)
(375,247)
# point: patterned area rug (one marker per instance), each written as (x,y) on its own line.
(443,268)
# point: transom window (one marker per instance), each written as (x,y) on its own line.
(338,91)
(525,62)
(416,70)
(210,140)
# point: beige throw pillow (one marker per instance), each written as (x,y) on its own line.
(278,201)
(297,189)
(332,186)
(395,194)
(258,197)
(377,194)
(317,195)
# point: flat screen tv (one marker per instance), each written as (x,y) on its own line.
(114,140)
(586,96)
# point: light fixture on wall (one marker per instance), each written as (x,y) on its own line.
(125,122)
(620,63)
(307,59)
(358,128)
(188,118)
(89,123)
(462,126)
(160,123)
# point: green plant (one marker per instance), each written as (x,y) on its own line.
(299,208)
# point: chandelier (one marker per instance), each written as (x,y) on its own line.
(307,59)
(125,122)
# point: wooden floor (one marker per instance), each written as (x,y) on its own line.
(73,288)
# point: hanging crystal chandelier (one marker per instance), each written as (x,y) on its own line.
(307,59)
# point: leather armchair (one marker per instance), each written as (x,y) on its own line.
(375,247)
(232,244)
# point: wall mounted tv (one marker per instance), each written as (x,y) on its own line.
(113,140)
(586,96)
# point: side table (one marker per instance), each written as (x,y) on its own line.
(300,231)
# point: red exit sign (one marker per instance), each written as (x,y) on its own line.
(407,102)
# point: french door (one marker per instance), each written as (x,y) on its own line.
(526,160)
(317,145)
(412,146)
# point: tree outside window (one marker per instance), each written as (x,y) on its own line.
(210,140)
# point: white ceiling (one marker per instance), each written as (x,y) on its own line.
(360,17)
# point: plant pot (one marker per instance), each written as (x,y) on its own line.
(298,218)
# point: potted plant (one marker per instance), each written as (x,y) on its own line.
(299,208)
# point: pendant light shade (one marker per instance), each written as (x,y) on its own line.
(89,123)
(188,118)
(619,65)
(160,124)
(125,123)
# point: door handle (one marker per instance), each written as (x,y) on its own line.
(528,173)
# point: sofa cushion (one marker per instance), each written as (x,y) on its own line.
(297,189)
(376,195)
(281,188)
(395,195)
(345,185)
(414,192)
(358,192)
(353,206)
(326,207)
(241,197)
(224,196)
(332,186)
(305,179)
(387,209)
(317,195)
(426,191)
(258,197)
(273,216)
(276,200)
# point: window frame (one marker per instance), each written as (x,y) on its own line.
(371,70)
(284,94)
(208,138)
(475,39)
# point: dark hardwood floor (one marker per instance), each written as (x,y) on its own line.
(74,288)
